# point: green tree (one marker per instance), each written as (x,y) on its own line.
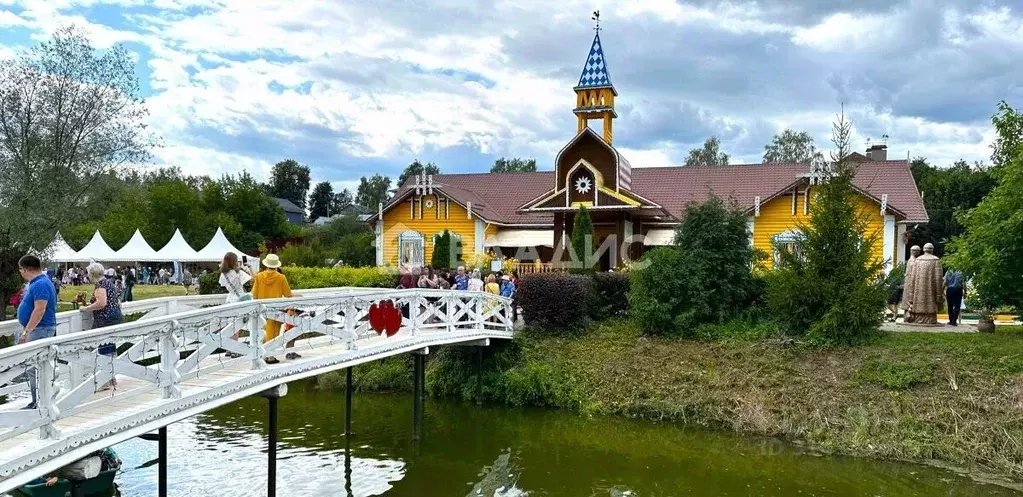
(343,199)
(791,146)
(372,191)
(415,169)
(259,216)
(947,191)
(69,114)
(441,258)
(289,180)
(709,265)
(1008,124)
(832,288)
(514,165)
(991,248)
(708,155)
(173,204)
(582,243)
(321,200)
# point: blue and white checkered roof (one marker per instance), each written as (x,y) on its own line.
(595,71)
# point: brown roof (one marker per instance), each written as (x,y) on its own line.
(498,197)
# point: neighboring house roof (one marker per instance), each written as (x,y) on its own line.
(497,197)
(355,209)
(289,206)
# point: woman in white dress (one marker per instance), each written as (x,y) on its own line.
(233,278)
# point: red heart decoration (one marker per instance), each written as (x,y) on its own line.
(392,318)
(376,318)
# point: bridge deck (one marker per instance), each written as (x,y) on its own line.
(145,399)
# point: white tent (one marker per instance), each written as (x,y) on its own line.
(59,250)
(177,249)
(137,249)
(96,250)
(215,250)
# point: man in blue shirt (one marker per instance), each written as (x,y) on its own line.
(461,279)
(955,290)
(37,312)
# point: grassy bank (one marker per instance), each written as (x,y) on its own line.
(953,398)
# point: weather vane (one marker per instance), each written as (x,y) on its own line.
(596,19)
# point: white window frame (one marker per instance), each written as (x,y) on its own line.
(412,243)
(790,239)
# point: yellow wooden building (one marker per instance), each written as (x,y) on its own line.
(529,216)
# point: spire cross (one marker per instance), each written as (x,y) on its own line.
(596,19)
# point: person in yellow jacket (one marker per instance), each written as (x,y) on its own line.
(270,283)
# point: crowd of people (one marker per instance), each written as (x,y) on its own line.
(125,278)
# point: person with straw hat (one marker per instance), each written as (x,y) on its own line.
(270,283)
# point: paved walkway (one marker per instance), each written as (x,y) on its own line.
(965,326)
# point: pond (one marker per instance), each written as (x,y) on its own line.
(482,451)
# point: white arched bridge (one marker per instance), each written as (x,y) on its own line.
(188,355)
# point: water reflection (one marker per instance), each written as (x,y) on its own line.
(494,451)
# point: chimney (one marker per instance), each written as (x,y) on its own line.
(878,151)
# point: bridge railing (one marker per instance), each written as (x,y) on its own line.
(76,321)
(166,350)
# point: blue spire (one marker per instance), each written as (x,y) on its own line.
(595,71)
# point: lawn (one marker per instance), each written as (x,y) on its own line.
(140,292)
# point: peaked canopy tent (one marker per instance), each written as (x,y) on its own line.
(58,250)
(177,249)
(215,250)
(96,250)
(137,249)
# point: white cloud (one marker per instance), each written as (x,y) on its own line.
(365,81)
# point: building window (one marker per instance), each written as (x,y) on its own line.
(411,249)
(790,241)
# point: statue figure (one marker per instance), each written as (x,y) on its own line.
(907,283)
(924,288)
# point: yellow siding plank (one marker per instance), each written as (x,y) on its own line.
(776,217)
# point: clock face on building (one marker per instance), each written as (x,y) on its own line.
(583,184)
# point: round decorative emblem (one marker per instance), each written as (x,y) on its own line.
(429,204)
(583,184)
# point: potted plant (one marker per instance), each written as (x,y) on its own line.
(985,321)
(985,324)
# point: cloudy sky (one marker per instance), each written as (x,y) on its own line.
(352,88)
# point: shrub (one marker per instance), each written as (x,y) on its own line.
(610,295)
(554,301)
(834,292)
(317,277)
(441,258)
(663,304)
(391,374)
(357,250)
(309,254)
(705,278)
(582,243)
(209,283)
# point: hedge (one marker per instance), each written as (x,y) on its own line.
(554,301)
(610,295)
(323,277)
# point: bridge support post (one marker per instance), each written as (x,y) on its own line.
(272,395)
(162,455)
(418,377)
(348,404)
